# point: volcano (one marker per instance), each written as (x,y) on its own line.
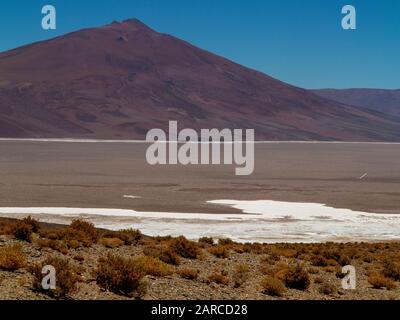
(123,79)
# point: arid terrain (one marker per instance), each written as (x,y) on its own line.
(99,264)
(98,175)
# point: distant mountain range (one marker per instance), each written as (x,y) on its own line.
(120,80)
(387,101)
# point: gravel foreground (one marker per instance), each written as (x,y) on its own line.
(106,265)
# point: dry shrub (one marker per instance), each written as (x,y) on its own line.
(270,258)
(52,234)
(66,277)
(206,240)
(240,275)
(344,260)
(294,277)
(219,278)
(79,234)
(79,258)
(273,286)
(391,269)
(313,270)
(328,289)
(162,239)
(187,273)
(379,281)
(332,269)
(73,244)
(225,242)
(120,275)
(6,228)
(318,280)
(22,231)
(111,242)
(152,266)
(168,255)
(220,251)
(339,273)
(368,258)
(315,249)
(352,251)
(185,248)
(56,245)
(128,236)
(33,223)
(267,260)
(12,258)
(238,248)
(164,253)
(278,270)
(333,255)
(85,227)
(82,231)
(256,248)
(319,261)
(267,270)
(287,253)
(275,269)
(332,262)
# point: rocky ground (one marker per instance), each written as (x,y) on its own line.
(167,268)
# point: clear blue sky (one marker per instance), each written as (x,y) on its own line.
(300,42)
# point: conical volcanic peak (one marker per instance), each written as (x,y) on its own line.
(121,80)
(129,25)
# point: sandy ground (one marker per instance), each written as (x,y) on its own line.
(99,175)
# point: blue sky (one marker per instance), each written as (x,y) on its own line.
(299,42)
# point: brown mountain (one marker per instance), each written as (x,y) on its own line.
(387,101)
(122,79)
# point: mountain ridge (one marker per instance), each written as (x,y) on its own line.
(383,100)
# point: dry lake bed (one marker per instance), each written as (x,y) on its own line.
(299,192)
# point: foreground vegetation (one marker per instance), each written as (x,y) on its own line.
(100,264)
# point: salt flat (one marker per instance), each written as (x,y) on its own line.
(260,221)
(43,174)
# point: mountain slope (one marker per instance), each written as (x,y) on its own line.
(120,80)
(386,101)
